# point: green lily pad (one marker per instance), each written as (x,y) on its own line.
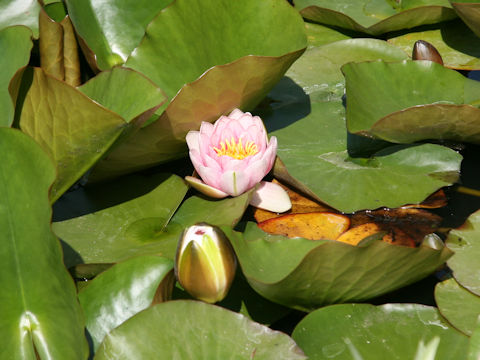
(305,274)
(122,291)
(15,41)
(318,35)
(458,305)
(474,346)
(122,231)
(71,128)
(172,331)
(465,242)
(390,331)
(376,17)
(41,316)
(20,12)
(112,29)
(416,100)
(456,43)
(469,12)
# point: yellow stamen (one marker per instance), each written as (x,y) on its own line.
(236,150)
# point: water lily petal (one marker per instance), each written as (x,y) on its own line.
(205,189)
(206,128)
(271,197)
(235,183)
(192,139)
(228,163)
(236,114)
(209,176)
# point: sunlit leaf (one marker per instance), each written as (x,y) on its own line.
(376,17)
(363,331)
(20,12)
(458,45)
(189,329)
(306,274)
(17,43)
(412,95)
(41,317)
(124,290)
(465,242)
(458,305)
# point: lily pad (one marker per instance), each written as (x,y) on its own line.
(112,29)
(458,305)
(124,290)
(20,12)
(410,101)
(318,35)
(15,41)
(390,331)
(305,274)
(172,331)
(465,242)
(376,17)
(122,231)
(469,12)
(36,287)
(456,43)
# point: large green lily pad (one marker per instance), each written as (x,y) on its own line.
(390,331)
(305,274)
(469,12)
(409,101)
(122,231)
(122,291)
(209,60)
(15,41)
(172,331)
(20,12)
(376,17)
(458,305)
(41,317)
(465,242)
(456,43)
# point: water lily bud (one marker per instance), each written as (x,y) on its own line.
(205,262)
(423,50)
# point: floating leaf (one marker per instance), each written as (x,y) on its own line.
(313,226)
(363,331)
(389,100)
(458,305)
(20,12)
(376,17)
(465,242)
(171,330)
(458,45)
(41,316)
(122,291)
(125,230)
(72,129)
(17,43)
(305,274)
(318,35)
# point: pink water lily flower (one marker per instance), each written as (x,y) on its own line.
(232,156)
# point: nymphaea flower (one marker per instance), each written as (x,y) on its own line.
(205,262)
(232,156)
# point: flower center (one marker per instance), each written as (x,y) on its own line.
(235,149)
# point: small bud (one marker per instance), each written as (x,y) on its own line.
(423,50)
(205,263)
(433,241)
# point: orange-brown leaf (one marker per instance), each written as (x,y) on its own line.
(356,234)
(313,226)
